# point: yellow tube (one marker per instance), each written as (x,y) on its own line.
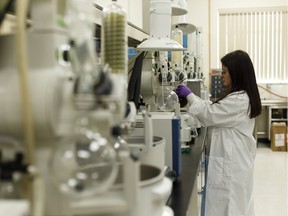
(21,9)
(29,132)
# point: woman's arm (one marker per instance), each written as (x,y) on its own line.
(228,112)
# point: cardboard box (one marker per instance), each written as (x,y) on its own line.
(287,139)
(278,137)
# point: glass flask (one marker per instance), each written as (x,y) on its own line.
(114,43)
(120,144)
(166,99)
(85,163)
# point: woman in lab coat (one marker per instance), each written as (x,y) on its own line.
(231,120)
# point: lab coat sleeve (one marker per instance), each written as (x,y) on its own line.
(229,112)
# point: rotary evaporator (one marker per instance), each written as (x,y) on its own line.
(161,74)
(64,113)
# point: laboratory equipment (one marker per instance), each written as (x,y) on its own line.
(157,84)
(179,20)
(177,56)
(198,63)
(167,126)
(114,38)
(76,104)
(158,81)
(166,99)
(160,28)
(88,159)
(188,128)
(179,7)
(143,143)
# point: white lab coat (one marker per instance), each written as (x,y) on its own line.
(229,188)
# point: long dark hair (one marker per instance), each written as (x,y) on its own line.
(243,78)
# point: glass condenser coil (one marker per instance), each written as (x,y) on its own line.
(177,56)
(114,38)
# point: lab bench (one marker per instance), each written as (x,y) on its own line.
(184,199)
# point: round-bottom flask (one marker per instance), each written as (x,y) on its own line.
(85,163)
(166,100)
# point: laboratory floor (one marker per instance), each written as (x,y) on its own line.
(271,182)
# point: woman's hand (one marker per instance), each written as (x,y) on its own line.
(182,91)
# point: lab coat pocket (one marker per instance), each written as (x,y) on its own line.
(215,171)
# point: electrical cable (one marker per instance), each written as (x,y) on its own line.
(272,92)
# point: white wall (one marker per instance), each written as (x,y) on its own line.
(133,9)
(201,12)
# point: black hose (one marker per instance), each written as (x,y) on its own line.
(134,85)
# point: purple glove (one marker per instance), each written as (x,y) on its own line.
(182,91)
